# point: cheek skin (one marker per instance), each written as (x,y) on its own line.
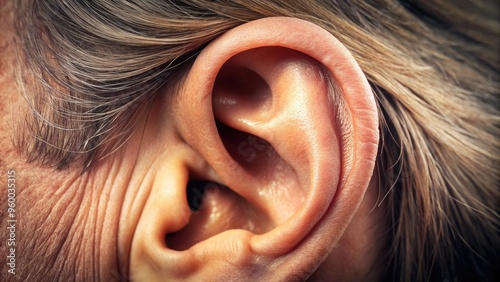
(68,222)
(124,179)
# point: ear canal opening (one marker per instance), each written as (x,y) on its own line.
(215,208)
(195,193)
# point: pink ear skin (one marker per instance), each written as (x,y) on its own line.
(257,113)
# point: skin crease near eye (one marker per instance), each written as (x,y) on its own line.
(249,140)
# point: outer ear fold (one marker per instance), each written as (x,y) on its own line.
(260,108)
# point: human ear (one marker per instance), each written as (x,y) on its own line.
(281,112)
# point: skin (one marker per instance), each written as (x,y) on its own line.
(110,222)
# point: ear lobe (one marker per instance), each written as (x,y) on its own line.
(259,107)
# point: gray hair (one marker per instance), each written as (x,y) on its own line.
(93,66)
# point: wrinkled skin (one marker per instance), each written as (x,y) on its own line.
(127,216)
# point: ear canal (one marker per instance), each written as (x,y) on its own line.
(217,209)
